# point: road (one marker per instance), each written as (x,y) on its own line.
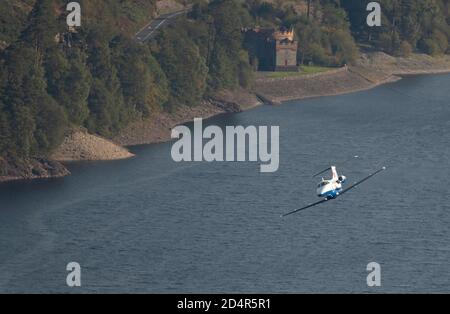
(149,31)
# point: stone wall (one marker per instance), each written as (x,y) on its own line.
(333,82)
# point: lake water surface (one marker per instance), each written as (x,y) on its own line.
(148,224)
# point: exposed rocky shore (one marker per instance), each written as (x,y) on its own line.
(369,71)
(30,168)
(157,128)
(333,82)
(416,64)
(80,145)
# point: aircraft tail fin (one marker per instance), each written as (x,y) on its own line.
(335,174)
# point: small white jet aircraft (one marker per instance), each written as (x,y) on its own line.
(331,189)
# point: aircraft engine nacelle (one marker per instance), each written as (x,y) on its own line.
(342,179)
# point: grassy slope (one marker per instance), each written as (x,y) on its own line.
(304,70)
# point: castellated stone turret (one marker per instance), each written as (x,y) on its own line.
(285,50)
(275,50)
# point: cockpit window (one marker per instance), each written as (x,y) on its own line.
(322,184)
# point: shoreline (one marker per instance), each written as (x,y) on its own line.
(157,128)
(263,100)
(31,169)
(79,145)
(369,72)
(363,85)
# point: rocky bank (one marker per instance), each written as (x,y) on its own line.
(12,169)
(80,145)
(369,71)
(158,127)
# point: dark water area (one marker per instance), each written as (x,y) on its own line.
(149,224)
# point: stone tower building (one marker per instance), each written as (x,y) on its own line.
(275,50)
(285,50)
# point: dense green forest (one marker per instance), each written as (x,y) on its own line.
(102,79)
(407,26)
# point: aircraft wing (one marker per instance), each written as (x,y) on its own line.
(343,192)
(306,207)
(351,187)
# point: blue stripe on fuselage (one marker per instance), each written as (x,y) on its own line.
(331,194)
